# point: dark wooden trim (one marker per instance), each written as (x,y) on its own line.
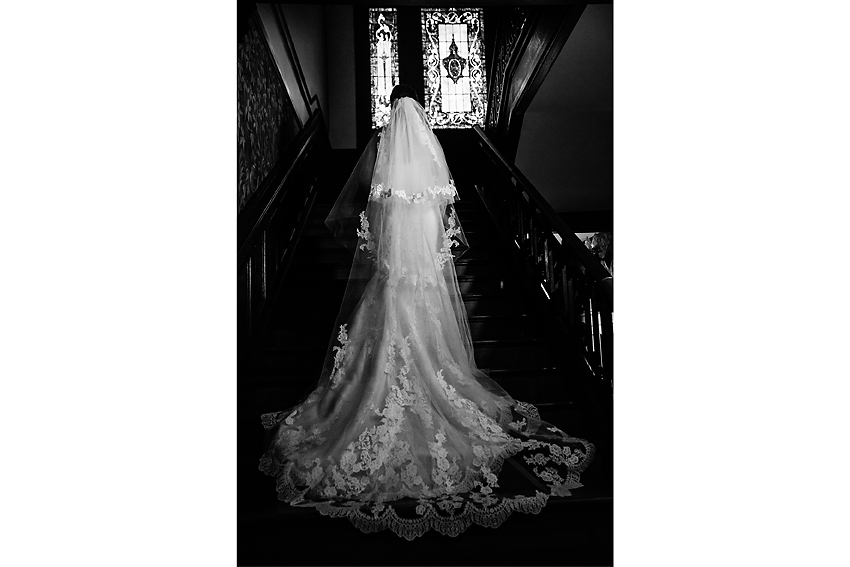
(568,236)
(280,18)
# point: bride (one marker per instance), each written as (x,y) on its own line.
(403,430)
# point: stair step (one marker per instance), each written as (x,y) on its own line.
(511,353)
(284,332)
(478,225)
(553,394)
(300,359)
(293,328)
(332,290)
(485,304)
(323,290)
(507,327)
(282,395)
(489,284)
(537,385)
(338,255)
(326,242)
(481,237)
(490,251)
(317,273)
(321,242)
(466,266)
(290,360)
(479,220)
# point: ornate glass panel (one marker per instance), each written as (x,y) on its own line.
(383,41)
(453,56)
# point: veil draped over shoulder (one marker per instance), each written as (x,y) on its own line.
(401,413)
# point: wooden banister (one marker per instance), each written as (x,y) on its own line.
(270,226)
(581,289)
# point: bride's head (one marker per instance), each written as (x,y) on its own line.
(400,91)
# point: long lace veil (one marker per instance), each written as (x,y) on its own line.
(401,409)
(403,164)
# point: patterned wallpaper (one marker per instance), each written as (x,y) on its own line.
(266,120)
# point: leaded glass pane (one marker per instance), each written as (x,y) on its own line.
(453,54)
(383,41)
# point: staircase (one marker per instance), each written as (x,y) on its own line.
(516,339)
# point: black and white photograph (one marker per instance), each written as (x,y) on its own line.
(425,283)
(397,345)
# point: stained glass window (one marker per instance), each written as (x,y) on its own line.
(383,41)
(453,56)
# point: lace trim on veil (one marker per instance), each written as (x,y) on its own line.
(450,513)
(378,191)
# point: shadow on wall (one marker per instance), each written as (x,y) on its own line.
(566,148)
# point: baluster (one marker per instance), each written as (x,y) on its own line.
(552,281)
(264,260)
(607,328)
(249,319)
(594,318)
(569,304)
(587,314)
(520,228)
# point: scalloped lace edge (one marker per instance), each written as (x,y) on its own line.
(453,525)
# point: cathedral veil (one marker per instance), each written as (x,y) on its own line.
(401,411)
(405,161)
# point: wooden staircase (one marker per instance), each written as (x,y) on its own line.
(516,339)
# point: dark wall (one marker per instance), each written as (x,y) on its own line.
(341,109)
(265,119)
(566,148)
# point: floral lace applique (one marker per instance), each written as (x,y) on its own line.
(558,455)
(426,140)
(378,449)
(448,241)
(528,410)
(478,423)
(445,475)
(339,356)
(368,243)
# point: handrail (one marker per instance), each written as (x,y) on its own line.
(270,227)
(296,63)
(589,262)
(580,288)
(252,218)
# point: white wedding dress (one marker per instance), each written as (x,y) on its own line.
(401,411)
